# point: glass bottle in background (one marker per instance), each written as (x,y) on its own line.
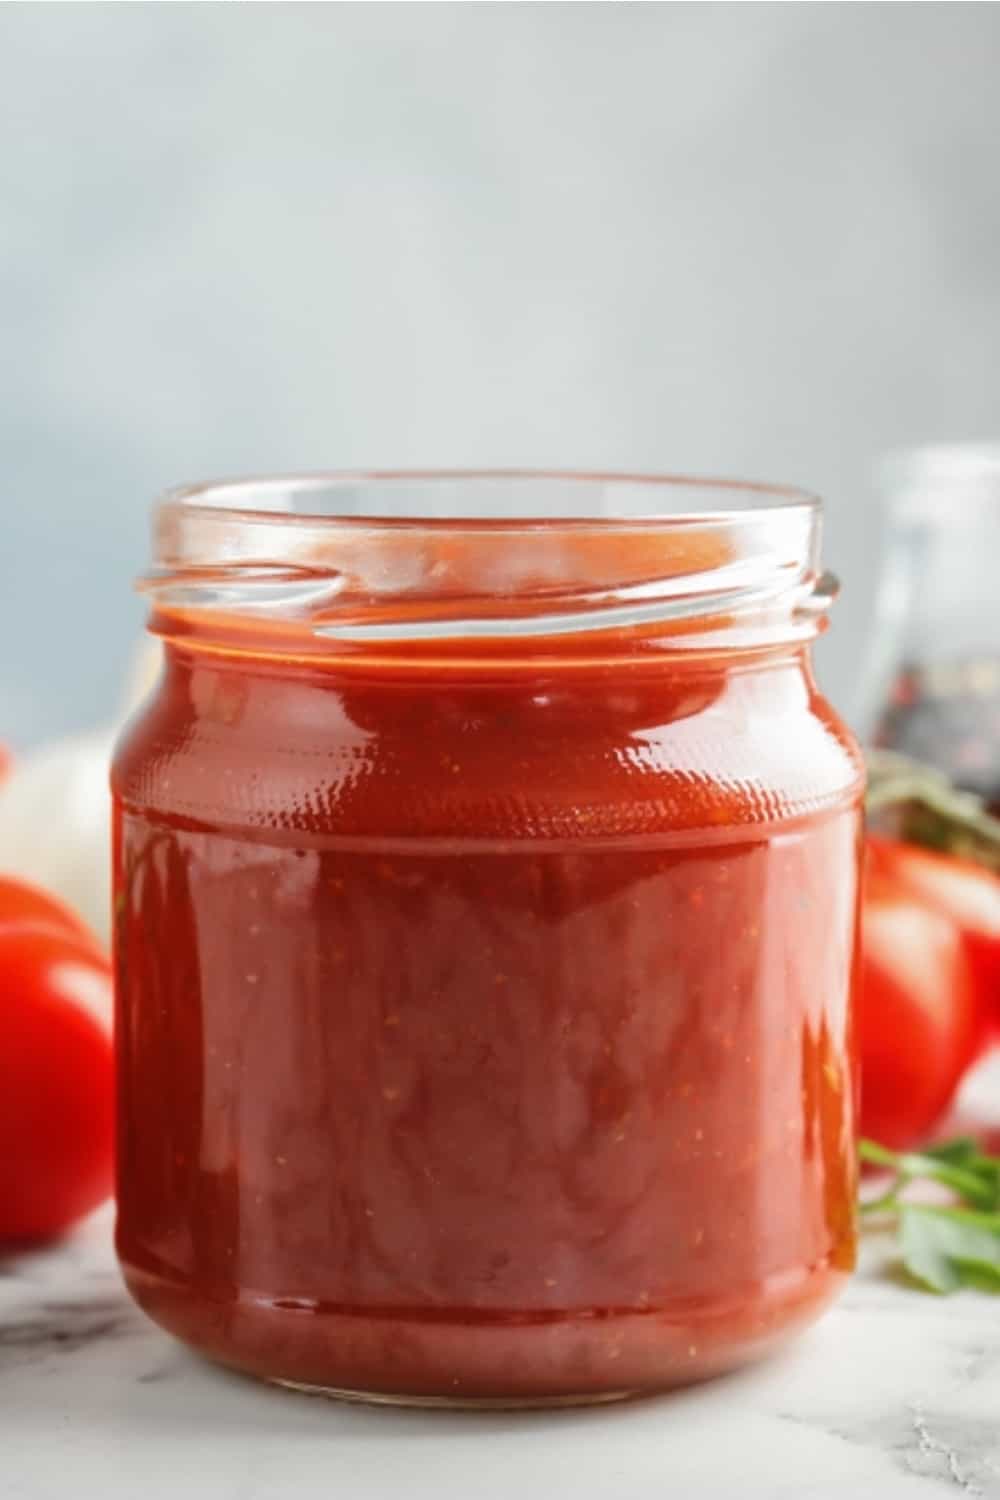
(932,690)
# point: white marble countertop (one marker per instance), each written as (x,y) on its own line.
(894,1395)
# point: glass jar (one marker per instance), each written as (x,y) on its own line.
(932,690)
(485,930)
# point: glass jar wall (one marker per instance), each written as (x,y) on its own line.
(486,909)
(932,691)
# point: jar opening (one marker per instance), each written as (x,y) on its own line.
(946,485)
(494,497)
(349,561)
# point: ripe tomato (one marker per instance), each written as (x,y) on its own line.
(21,902)
(966,892)
(923,1000)
(56,1082)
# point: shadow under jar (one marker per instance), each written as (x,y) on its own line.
(485,931)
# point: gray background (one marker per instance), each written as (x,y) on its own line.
(754,240)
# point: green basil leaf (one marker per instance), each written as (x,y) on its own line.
(958,1152)
(976,1181)
(944,1248)
(924,1258)
(958,1165)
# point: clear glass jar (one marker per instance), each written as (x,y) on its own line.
(932,690)
(485,931)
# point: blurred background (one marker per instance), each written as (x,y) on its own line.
(751,240)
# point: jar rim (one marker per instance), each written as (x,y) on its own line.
(943,483)
(353,559)
(599,498)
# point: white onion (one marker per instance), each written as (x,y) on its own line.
(55,811)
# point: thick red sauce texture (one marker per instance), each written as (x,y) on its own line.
(484,1034)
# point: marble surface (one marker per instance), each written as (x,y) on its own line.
(894,1395)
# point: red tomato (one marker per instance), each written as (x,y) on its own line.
(920,1013)
(56,1082)
(21,902)
(964,891)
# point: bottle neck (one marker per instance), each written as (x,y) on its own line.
(937,626)
(566,659)
(336,590)
(952,572)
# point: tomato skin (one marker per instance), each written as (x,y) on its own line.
(21,902)
(918,1018)
(966,892)
(930,968)
(56,1081)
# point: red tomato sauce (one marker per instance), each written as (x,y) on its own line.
(485,1033)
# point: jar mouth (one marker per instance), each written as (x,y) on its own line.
(495,498)
(450,556)
(948,484)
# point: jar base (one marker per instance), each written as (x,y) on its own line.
(407,1360)
(456,1403)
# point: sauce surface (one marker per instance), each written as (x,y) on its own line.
(485,1035)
